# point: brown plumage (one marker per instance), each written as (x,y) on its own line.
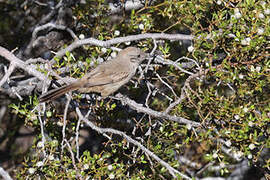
(106,78)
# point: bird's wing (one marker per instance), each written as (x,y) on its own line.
(103,78)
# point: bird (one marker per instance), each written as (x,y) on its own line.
(106,78)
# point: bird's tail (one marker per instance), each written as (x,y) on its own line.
(55,93)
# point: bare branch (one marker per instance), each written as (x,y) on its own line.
(43,139)
(30,69)
(166,84)
(175,103)
(73,159)
(52,13)
(139,108)
(161,60)
(96,42)
(65,123)
(172,171)
(4,174)
(7,74)
(56,26)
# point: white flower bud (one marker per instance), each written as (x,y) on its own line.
(104,50)
(238,15)
(261,16)
(111,176)
(110,167)
(251,146)
(116,33)
(40,144)
(260,31)
(141,26)
(81,36)
(190,48)
(39,164)
(31,170)
(113,54)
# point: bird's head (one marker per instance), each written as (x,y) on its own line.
(135,55)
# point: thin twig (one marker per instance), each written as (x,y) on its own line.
(73,159)
(65,123)
(7,74)
(166,84)
(175,103)
(43,139)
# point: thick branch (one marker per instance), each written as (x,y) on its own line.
(30,69)
(96,42)
(4,174)
(139,108)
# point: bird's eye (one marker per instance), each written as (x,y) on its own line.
(133,59)
(139,56)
